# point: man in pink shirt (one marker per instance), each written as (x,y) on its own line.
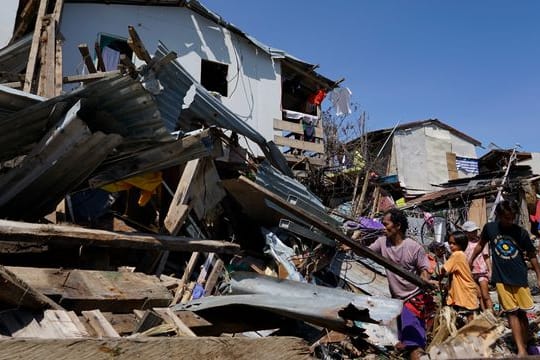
(417,306)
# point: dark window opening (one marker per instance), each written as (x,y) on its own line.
(214,76)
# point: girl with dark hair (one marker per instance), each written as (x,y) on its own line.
(463,293)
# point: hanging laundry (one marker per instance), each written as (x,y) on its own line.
(341,100)
(467,165)
(317,98)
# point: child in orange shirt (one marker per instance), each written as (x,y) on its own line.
(463,293)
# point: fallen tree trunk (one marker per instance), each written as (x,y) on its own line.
(62,235)
(234,348)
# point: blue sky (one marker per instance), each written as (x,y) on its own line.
(472,64)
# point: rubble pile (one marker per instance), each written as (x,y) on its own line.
(133,223)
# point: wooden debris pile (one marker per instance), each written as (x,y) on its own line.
(124,233)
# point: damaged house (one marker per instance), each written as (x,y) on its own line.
(275,93)
(136,220)
(440,150)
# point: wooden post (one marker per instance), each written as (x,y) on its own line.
(85,53)
(47,74)
(187,274)
(34,49)
(58,68)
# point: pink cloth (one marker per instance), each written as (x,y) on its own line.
(536,216)
(479,264)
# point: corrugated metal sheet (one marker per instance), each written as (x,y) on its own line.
(381,309)
(179,85)
(62,160)
(332,308)
(13,58)
(119,105)
(62,149)
(351,270)
(12,100)
(293,191)
(157,157)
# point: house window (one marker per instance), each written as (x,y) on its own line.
(214,76)
(111,48)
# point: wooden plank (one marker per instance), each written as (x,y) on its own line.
(225,348)
(100,325)
(17,292)
(168,315)
(24,19)
(47,75)
(192,320)
(34,49)
(149,320)
(85,53)
(136,44)
(188,292)
(61,325)
(317,161)
(299,144)
(208,263)
(99,55)
(179,207)
(77,322)
(122,323)
(104,290)
(335,233)
(61,235)
(451,166)
(213,277)
(128,64)
(185,277)
(199,187)
(295,128)
(57,12)
(89,77)
(58,77)
(20,323)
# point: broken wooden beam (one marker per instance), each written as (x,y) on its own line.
(128,64)
(136,44)
(85,53)
(19,293)
(89,77)
(81,290)
(99,324)
(233,348)
(99,55)
(34,49)
(62,235)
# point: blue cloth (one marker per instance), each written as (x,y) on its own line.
(198,291)
(411,330)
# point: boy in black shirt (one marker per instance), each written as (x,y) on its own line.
(509,244)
